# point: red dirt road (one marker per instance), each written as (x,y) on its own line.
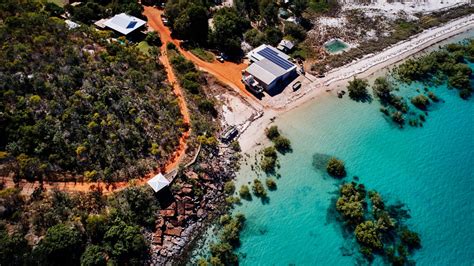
(228,72)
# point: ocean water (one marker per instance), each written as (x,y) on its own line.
(430,169)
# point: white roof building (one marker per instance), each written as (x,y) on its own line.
(124,23)
(285,45)
(71,24)
(158,182)
(270,66)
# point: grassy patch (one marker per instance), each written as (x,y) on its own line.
(60,3)
(203,54)
(144,47)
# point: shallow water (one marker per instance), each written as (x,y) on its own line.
(335,46)
(428,169)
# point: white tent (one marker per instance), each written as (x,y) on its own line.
(158,182)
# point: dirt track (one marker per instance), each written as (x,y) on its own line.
(228,72)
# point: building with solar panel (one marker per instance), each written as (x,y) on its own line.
(270,70)
(124,24)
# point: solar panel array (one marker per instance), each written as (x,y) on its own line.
(275,58)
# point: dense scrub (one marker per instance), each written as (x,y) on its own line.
(73,101)
(449,64)
(55,228)
(379,228)
(202,108)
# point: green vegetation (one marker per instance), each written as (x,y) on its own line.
(379,229)
(202,108)
(336,168)
(258,189)
(272,132)
(152,38)
(203,54)
(382,89)
(358,90)
(228,29)
(448,64)
(271,184)
(96,113)
(229,187)
(82,228)
(269,159)
(282,144)
(188,21)
(420,101)
(351,202)
(255,21)
(244,192)
(222,252)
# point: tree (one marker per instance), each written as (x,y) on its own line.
(420,101)
(254,37)
(228,29)
(368,235)
(229,187)
(152,38)
(336,168)
(295,31)
(62,245)
(271,184)
(269,11)
(192,24)
(358,89)
(94,256)
(136,205)
(410,238)
(258,189)
(299,6)
(282,144)
(244,192)
(125,244)
(272,132)
(273,36)
(382,89)
(14,249)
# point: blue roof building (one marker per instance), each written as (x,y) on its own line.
(271,68)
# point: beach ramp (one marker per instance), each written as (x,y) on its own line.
(158,182)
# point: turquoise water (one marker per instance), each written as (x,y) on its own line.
(429,169)
(335,46)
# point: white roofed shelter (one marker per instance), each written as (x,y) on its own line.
(158,182)
(124,24)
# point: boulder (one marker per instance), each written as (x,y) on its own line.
(174,231)
(167,213)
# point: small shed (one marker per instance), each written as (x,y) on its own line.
(158,182)
(285,46)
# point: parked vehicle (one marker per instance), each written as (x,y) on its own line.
(220,59)
(296,86)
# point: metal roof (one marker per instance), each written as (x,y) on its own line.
(124,23)
(158,182)
(270,64)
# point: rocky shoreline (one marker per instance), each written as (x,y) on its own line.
(183,221)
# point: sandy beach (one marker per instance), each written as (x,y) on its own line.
(252,136)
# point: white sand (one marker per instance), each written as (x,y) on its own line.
(253,134)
